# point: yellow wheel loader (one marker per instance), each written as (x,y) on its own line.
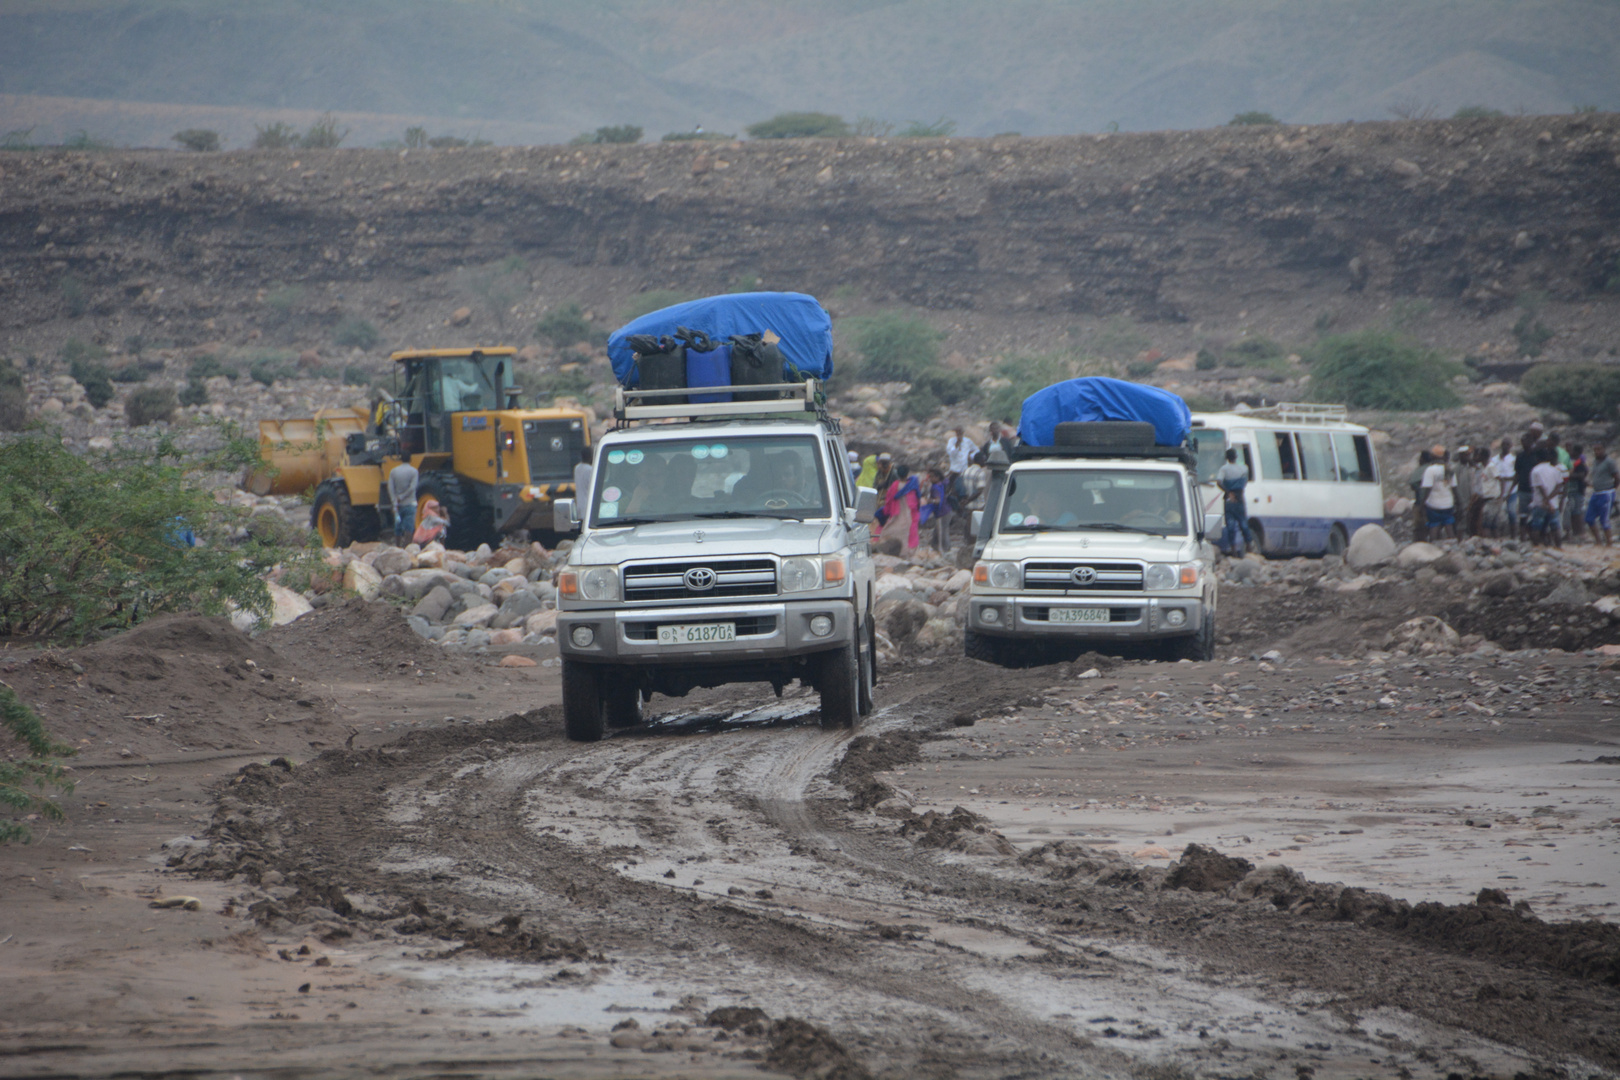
(493,470)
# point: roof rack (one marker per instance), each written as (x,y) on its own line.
(1304,412)
(789,398)
(1183,454)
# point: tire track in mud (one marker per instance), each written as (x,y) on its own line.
(744,819)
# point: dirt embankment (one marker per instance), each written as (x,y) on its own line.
(1166,226)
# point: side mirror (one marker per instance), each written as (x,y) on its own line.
(865,505)
(563,519)
(978,521)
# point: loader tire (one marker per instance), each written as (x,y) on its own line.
(337,520)
(468,527)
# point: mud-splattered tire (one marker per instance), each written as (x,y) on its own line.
(1338,543)
(838,681)
(338,521)
(582,702)
(977,646)
(621,700)
(1197,647)
(1259,532)
(468,528)
(868,661)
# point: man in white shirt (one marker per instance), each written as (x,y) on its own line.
(1499,493)
(1438,499)
(958,452)
(1546,491)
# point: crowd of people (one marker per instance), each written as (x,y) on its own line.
(928,503)
(1539,490)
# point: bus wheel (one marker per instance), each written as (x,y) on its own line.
(1259,531)
(1338,542)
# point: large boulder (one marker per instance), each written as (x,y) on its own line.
(433,606)
(1568,593)
(391,561)
(286,605)
(477,616)
(1425,635)
(518,606)
(888,583)
(419,582)
(902,619)
(362,579)
(1413,556)
(1370,546)
(541,622)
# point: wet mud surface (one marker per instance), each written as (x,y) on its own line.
(1002,873)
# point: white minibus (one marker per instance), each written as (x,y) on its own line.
(1313,478)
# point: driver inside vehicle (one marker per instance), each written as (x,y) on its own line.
(1046,508)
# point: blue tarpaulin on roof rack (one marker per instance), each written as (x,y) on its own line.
(1098,398)
(797,318)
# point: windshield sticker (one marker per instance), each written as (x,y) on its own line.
(700,451)
(610,495)
(1032,521)
(718,450)
(634,457)
(1015,519)
(608,510)
(615,457)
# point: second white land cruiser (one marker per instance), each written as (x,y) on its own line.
(1093,544)
(727,544)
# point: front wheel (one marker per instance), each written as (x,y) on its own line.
(978,646)
(582,702)
(1199,646)
(868,668)
(337,520)
(621,703)
(839,685)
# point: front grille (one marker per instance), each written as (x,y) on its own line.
(747,626)
(1059,577)
(732,578)
(555,447)
(1115,615)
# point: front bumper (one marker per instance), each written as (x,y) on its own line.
(1131,618)
(770,631)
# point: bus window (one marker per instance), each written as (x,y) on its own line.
(1315,456)
(1211,452)
(1277,455)
(1355,458)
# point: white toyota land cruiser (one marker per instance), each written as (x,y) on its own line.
(725,545)
(1095,543)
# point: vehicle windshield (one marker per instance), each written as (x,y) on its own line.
(1211,452)
(1099,500)
(771,476)
(465,385)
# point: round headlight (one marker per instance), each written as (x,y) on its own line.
(1159,576)
(1175,617)
(1004,575)
(582,636)
(800,574)
(599,583)
(821,625)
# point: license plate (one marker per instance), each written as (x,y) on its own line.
(1079,614)
(697,633)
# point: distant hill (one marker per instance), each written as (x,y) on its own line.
(558,67)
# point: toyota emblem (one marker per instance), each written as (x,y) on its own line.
(699,579)
(1083,575)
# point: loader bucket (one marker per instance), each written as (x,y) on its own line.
(302,452)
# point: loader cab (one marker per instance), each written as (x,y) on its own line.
(432,385)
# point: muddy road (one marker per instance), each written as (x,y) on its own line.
(990,878)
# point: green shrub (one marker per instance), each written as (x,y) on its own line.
(1255,352)
(1118,339)
(1377,369)
(13,398)
(129,373)
(135,344)
(1531,333)
(18,139)
(619,133)
(94,377)
(150,405)
(566,325)
(932,390)
(194,393)
(1476,112)
(354,375)
(25,779)
(447,142)
(939,129)
(497,286)
(200,140)
(871,127)
(1246,119)
(1204,403)
(92,542)
(282,299)
(1586,392)
(267,368)
(1027,374)
(1206,360)
(895,347)
(416,137)
(650,301)
(698,136)
(277,136)
(77,350)
(355,333)
(83,140)
(207,366)
(75,297)
(800,125)
(323,134)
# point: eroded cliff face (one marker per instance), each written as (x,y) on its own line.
(1161,226)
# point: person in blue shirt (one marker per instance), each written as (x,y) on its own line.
(1233,478)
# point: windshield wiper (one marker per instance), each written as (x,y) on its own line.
(744,514)
(1112,527)
(621,523)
